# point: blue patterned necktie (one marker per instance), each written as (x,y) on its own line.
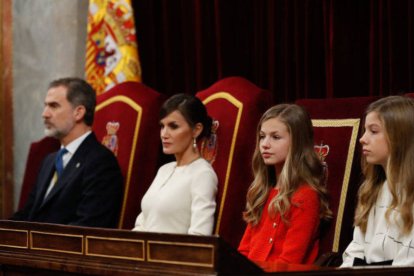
(59,161)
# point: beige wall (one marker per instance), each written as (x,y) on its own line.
(49,39)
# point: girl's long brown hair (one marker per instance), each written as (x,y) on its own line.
(302,165)
(397,116)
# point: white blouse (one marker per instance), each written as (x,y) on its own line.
(383,241)
(180,200)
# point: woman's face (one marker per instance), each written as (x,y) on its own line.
(374,141)
(176,134)
(274,143)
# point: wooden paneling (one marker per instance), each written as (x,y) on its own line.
(107,251)
(47,249)
(6,117)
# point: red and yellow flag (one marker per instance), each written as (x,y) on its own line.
(111,47)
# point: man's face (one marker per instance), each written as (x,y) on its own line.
(58,114)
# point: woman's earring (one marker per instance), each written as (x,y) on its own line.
(194,143)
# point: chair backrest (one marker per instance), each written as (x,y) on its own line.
(237,105)
(337,127)
(37,152)
(409,94)
(126,121)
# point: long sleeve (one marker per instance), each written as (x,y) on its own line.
(244,246)
(101,196)
(24,213)
(302,229)
(139,222)
(355,249)
(88,193)
(383,240)
(180,200)
(405,254)
(294,241)
(203,203)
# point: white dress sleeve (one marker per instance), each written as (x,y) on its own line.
(405,254)
(355,249)
(139,222)
(203,203)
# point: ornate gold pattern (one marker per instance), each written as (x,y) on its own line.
(239,106)
(354,124)
(138,109)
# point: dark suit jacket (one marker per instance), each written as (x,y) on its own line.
(88,193)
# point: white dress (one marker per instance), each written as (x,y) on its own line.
(180,200)
(382,241)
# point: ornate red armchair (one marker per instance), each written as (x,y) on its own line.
(337,127)
(237,105)
(126,121)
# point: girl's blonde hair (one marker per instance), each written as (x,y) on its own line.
(396,113)
(301,166)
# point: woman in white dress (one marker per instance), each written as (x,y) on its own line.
(182,197)
(384,232)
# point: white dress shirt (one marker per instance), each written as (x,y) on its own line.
(71,149)
(383,241)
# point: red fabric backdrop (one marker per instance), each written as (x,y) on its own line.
(294,48)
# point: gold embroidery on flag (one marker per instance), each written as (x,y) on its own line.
(111,48)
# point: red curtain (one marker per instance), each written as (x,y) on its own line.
(294,48)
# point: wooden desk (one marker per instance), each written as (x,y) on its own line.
(50,249)
(36,248)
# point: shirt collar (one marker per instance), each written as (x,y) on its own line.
(74,145)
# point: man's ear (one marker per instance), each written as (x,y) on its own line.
(79,112)
(198,128)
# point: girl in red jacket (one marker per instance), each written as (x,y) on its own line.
(287,198)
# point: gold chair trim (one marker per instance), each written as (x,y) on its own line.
(354,124)
(239,105)
(138,109)
(209,246)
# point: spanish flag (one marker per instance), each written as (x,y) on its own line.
(111,47)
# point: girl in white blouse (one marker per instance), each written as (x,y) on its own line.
(384,232)
(182,197)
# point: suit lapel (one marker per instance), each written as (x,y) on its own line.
(44,181)
(73,168)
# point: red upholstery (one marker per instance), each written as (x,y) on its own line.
(37,152)
(237,104)
(337,123)
(126,121)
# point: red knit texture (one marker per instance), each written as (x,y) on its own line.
(295,242)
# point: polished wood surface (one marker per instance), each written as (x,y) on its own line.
(6,109)
(48,249)
(26,247)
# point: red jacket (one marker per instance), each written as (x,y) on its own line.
(296,242)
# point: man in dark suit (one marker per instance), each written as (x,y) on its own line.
(83,185)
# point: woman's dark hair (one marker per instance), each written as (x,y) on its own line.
(192,109)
